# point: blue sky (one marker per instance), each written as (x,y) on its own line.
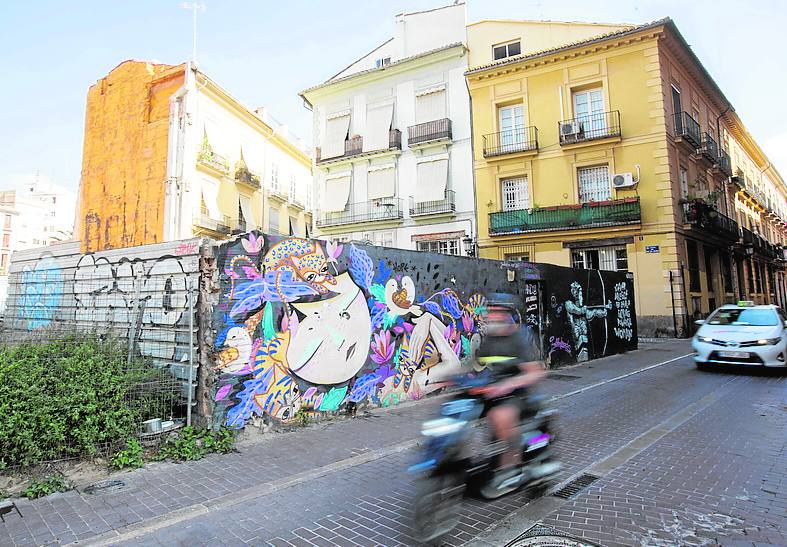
(265,52)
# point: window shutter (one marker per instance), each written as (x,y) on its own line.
(381,181)
(432,179)
(430,105)
(337,127)
(378,127)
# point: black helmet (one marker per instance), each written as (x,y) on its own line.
(504,300)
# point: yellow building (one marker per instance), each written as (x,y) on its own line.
(169,154)
(585,156)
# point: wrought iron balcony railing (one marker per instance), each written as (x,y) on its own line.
(725,165)
(688,129)
(378,210)
(445,205)
(429,131)
(708,148)
(517,139)
(354,147)
(601,125)
(704,216)
(566,217)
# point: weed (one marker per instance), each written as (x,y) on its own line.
(131,456)
(44,486)
(191,444)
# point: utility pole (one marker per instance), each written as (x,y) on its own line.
(194,7)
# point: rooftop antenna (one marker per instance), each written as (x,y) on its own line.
(194,7)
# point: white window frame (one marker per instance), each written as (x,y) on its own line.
(589,108)
(511,121)
(274,176)
(684,182)
(595,181)
(611,258)
(441,246)
(293,187)
(515,193)
(507,46)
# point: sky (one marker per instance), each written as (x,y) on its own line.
(265,52)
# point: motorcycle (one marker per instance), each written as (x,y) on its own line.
(455,460)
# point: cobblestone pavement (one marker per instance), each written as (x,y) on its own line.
(719,474)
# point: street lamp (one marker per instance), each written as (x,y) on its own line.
(469,245)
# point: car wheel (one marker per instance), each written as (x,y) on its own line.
(702,366)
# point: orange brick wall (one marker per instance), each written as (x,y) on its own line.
(124,162)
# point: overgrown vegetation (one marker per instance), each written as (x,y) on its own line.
(44,486)
(191,444)
(73,397)
(131,456)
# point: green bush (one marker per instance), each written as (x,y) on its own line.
(71,398)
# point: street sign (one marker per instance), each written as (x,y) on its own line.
(652,249)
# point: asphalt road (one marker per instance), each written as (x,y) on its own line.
(678,456)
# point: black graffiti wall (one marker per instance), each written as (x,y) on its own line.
(306,325)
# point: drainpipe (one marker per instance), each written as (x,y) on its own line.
(474,219)
(672,303)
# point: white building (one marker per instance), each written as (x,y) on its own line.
(230,167)
(392,131)
(37,214)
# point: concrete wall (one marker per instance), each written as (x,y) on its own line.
(304,325)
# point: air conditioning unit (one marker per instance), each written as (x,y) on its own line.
(623,180)
(570,129)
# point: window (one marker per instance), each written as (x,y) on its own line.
(443,246)
(36,242)
(694,266)
(381,239)
(3,261)
(515,193)
(6,240)
(512,121)
(613,259)
(274,176)
(430,104)
(589,111)
(727,272)
(684,183)
(746,317)
(507,50)
(524,257)
(293,187)
(293,226)
(273,220)
(7,221)
(676,108)
(309,194)
(750,276)
(382,61)
(594,184)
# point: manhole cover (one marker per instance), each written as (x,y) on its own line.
(104,487)
(544,536)
(563,377)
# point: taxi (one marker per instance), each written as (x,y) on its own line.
(742,334)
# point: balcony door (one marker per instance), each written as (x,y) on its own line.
(511,122)
(589,111)
(677,109)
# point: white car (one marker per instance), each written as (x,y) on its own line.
(742,334)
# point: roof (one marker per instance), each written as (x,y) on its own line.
(572,45)
(550,22)
(383,68)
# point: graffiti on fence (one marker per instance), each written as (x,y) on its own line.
(316,326)
(40,293)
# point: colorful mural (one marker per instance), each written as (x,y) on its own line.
(311,325)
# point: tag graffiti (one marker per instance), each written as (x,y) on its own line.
(623,329)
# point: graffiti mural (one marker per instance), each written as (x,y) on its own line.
(42,291)
(315,326)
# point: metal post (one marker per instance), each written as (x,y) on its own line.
(134,332)
(190,285)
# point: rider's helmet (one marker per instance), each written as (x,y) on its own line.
(502,308)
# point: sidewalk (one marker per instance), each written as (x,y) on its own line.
(165,492)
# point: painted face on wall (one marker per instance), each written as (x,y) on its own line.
(305,259)
(332,341)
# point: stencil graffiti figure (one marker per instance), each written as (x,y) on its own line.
(578,316)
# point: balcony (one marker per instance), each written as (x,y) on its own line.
(354,147)
(708,149)
(443,206)
(725,165)
(215,162)
(566,217)
(277,194)
(705,217)
(422,133)
(206,223)
(602,125)
(688,129)
(511,141)
(379,210)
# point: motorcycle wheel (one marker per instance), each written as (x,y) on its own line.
(437,502)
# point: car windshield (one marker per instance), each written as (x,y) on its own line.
(748,317)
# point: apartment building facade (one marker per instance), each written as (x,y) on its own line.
(393,161)
(603,153)
(170,154)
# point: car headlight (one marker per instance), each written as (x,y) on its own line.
(768,341)
(704,339)
(442,426)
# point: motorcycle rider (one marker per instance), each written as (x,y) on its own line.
(510,351)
